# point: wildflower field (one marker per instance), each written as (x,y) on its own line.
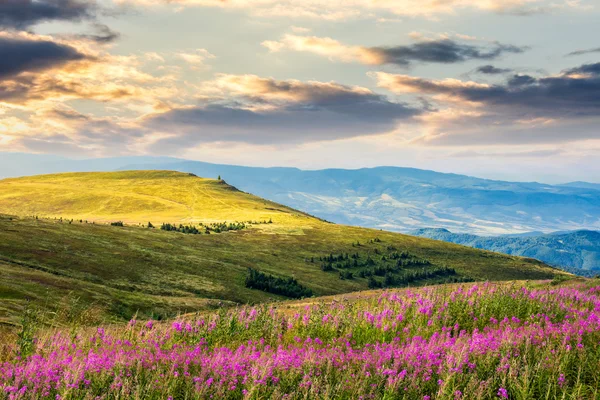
(471,341)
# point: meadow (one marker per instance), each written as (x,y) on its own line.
(59,252)
(515,340)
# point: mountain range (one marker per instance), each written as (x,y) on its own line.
(390,198)
(577,252)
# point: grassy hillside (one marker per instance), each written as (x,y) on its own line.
(136,197)
(92,270)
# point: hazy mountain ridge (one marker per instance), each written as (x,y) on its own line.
(577,252)
(403,199)
(392,198)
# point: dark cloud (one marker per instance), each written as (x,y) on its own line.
(588,69)
(582,52)
(443,51)
(491,70)
(564,95)
(521,80)
(21,54)
(282,113)
(524,109)
(22,14)
(102,34)
(220,123)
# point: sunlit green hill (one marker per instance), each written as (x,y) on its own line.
(137,197)
(58,249)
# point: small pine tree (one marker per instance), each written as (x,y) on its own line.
(373,283)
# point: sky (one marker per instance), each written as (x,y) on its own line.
(505,89)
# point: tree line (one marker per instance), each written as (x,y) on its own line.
(207,229)
(380,262)
(409,277)
(288,287)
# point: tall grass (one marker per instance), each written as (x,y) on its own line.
(448,342)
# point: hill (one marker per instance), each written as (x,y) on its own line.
(136,197)
(391,198)
(59,250)
(577,252)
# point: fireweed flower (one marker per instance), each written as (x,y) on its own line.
(395,343)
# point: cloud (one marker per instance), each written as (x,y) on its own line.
(59,128)
(582,52)
(574,92)
(153,56)
(524,109)
(591,71)
(491,70)
(334,10)
(27,53)
(22,14)
(232,109)
(300,29)
(103,34)
(266,111)
(35,68)
(195,58)
(443,51)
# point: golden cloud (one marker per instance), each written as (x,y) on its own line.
(327,47)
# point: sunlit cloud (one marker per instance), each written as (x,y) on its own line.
(196,58)
(36,68)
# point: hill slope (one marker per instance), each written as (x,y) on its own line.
(135,197)
(577,252)
(124,270)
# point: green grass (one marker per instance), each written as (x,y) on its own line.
(114,272)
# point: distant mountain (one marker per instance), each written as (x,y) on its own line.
(577,252)
(402,199)
(582,185)
(391,198)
